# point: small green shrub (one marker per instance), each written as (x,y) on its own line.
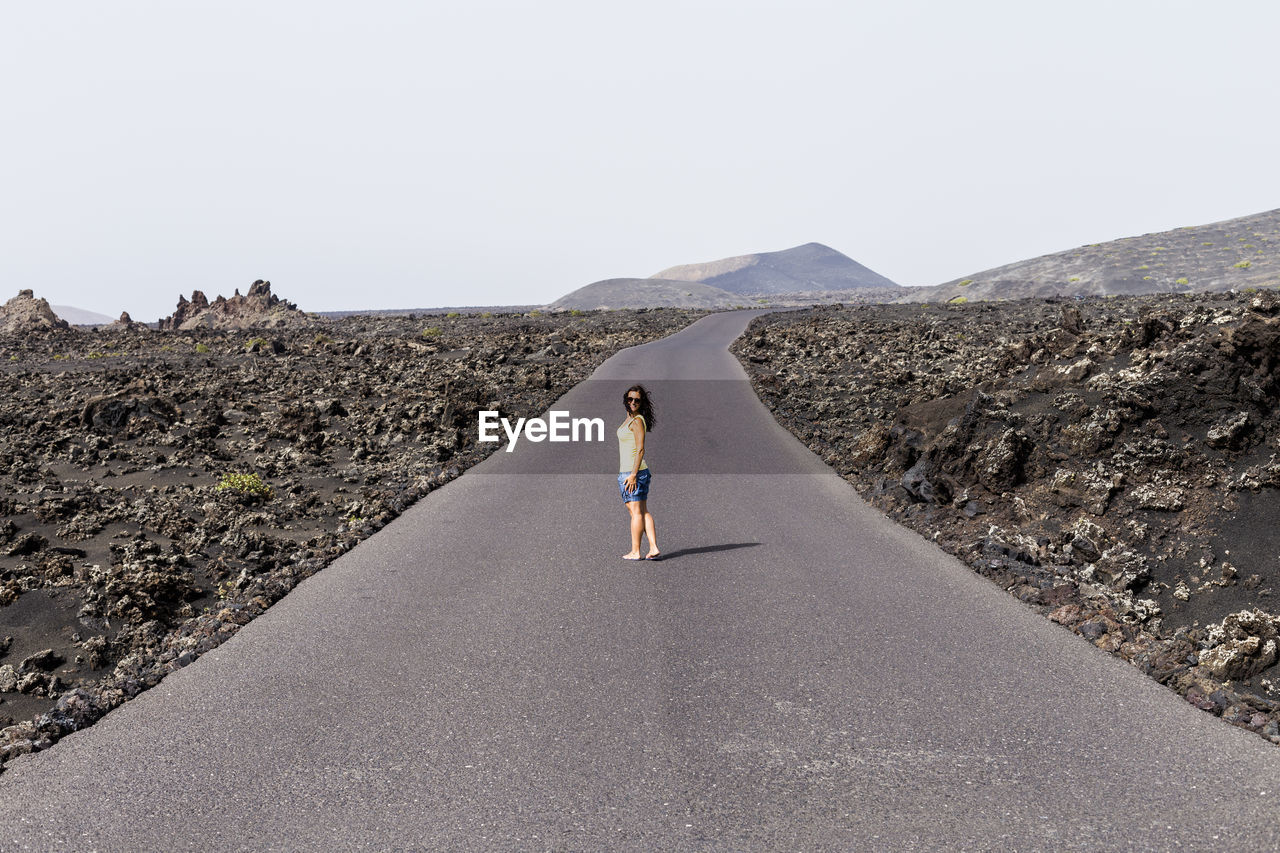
(245,484)
(576,313)
(965,283)
(957,300)
(431,331)
(322,339)
(1243,265)
(260,343)
(1183,281)
(202,348)
(452,315)
(1074,278)
(487,314)
(96,354)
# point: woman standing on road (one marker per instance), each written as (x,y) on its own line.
(633,470)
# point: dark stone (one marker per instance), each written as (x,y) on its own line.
(26,545)
(45,660)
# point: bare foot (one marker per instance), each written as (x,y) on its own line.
(653,555)
(634,555)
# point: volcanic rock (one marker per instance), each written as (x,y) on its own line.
(24,313)
(126,322)
(46,660)
(258,308)
(113,413)
(157,496)
(1242,645)
(1099,457)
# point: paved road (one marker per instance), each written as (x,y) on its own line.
(802,674)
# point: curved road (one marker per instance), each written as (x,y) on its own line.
(801,673)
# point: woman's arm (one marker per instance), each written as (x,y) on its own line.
(637,429)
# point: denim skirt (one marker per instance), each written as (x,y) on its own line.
(642,486)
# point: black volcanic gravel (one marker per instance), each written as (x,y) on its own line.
(1111,462)
(158,490)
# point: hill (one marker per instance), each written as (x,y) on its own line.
(811,267)
(1233,254)
(80,316)
(646,293)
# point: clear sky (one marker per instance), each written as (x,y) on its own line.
(421,154)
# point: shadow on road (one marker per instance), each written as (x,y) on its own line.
(707,549)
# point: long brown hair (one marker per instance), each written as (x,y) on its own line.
(645,409)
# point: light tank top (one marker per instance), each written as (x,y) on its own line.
(627,447)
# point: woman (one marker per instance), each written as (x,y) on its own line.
(633,470)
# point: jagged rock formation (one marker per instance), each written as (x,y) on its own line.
(24,313)
(125,322)
(258,308)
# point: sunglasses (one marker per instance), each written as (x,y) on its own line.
(633,399)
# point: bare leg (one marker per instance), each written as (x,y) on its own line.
(649,531)
(637,527)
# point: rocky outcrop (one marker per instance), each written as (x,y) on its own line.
(1243,645)
(125,322)
(25,313)
(259,308)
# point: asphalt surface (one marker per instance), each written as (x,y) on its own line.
(486,673)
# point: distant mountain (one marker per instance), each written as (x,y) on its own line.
(1236,253)
(81,317)
(646,293)
(808,274)
(806,268)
